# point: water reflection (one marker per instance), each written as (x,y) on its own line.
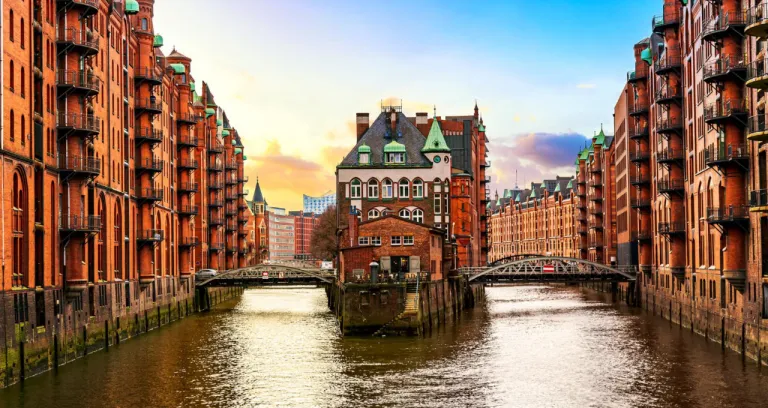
(529,346)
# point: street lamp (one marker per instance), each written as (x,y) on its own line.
(374,271)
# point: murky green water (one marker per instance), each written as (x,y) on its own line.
(529,346)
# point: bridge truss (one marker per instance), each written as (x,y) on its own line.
(262,275)
(549,269)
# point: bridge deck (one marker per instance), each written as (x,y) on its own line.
(261,275)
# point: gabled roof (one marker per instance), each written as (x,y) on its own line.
(435,141)
(600,138)
(258,197)
(379,135)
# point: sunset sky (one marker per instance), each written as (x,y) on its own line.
(292,74)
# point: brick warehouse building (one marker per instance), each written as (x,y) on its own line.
(303,226)
(115,167)
(689,130)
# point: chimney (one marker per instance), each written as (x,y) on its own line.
(422,123)
(362,124)
(354,225)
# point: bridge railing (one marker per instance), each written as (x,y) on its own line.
(385,277)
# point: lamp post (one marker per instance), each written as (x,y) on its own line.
(374,271)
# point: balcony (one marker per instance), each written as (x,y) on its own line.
(671,228)
(244,179)
(88,7)
(87,166)
(215,166)
(596,196)
(583,246)
(230,211)
(150,235)
(595,184)
(758,200)
(187,187)
(148,75)
(84,41)
(719,27)
(215,221)
(216,148)
(230,181)
(640,203)
(670,61)
(150,194)
(731,111)
(149,165)
(150,105)
(675,185)
(581,193)
(216,185)
(188,164)
(595,225)
(80,223)
(231,248)
(81,82)
(189,242)
(75,122)
(668,156)
(188,210)
(581,218)
(757,21)
(596,243)
(757,74)
(216,246)
(244,193)
(216,203)
(729,215)
(637,75)
(719,155)
(665,126)
(638,108)
(670,19)
(728,67)
(641,235)
(187,119)
(595,167)
(639,156)
(669,94)
(230,165)
(187,141)
(150,135)
(639,132)
(596,211)
(756,129)
(231,226)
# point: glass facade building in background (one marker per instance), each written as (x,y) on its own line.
(318,205)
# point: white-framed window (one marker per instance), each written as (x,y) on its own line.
(438,201)
(418,188)
(355,189)
(408,240)
(395,157)
(373,188)
(403,187)
(447,208)
(363,241)
(396,240)
(376,241)
(373,214)
(364,158)
(418,215)
(386,188)
(404,214)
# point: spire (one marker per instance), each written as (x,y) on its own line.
(435,142)
(258,197)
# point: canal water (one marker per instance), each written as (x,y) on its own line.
(529,346)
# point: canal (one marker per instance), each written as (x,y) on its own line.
(528,346)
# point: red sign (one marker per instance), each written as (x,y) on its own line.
(549,268)
(265,275)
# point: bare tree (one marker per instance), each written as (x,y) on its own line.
(323,244)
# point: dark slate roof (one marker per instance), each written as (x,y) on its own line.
(258,197)
(608,141)
(376,138)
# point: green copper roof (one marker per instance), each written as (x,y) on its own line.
(557,188)
(488,205)
(533,193)
(364,148)
(394,147)
(131,7)
(517,199)
(178,69)
(219,122)
(435,141)
(646,56)
(209,112)
(225,132)
(570,184)
(196,97)
(234,142)
(158,40)
(192,86)
(507,193)
(584,154)
(238,150)
(481,128)
(498,202)
(600,138)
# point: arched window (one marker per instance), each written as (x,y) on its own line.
(404,213)
(373,188)
(403,187)
(418,215)
(23,134)
(13,76)
(373,214)
(355,189)
(117,245)
(386,188)
(19,231)
(13,126)
(23,84)
(11,25)
(418,188)
(21,41)
(144,24)
(101,241)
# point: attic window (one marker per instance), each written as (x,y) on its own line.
(365,158)
(395,157)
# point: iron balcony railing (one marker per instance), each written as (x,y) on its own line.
(214,221)
(639,155)
(147,74)
(216,246)
(668,93)
(596,243)
(90,223)
(758,198)
(231,226)
(78,79)
(756,124)
(88,41)
(155,194)
(665,125)
(148,104)
(230,164)
(670,60)
(188,187)
(670,155)
(217,202)
(757,15)
(154,235)
(152,164)
(595,184)
(714,27)
(725,109)
(638,74)
(150,134)
(188,164)
(717,153)
(216,148)
(639,108)
(187,118)
(640,203)
(244,179)
(638,132)
(79,122)
(641,235)
(78,164)
(669,228)
(757,70)
(215,166)
(187,141)
(731,213)
(670,18)
(189,242)
(216,185)
(725,64)
(670,185)
(188,210)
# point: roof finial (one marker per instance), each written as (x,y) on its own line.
(601,127)
(435,114)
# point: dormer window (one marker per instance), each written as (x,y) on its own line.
(365,158)
(395,158)
(394,153)
(364,154)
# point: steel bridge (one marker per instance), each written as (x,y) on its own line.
(265,275)
(549,269)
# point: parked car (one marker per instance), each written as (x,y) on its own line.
(205,274)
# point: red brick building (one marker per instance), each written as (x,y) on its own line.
(105,155)
(304,225)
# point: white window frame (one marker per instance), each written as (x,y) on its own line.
(386,189)
(438,202)
(396,240)
(355,188)
(408,240)
(418,189)
(365,158)
(376,241)
(373,188)
(404,213)
(363,241)
(373,214)
(397,158)
(417,215)
(403,187)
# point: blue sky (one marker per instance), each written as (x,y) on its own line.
(292,74)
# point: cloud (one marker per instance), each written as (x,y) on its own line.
(533,156)
(586,86)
